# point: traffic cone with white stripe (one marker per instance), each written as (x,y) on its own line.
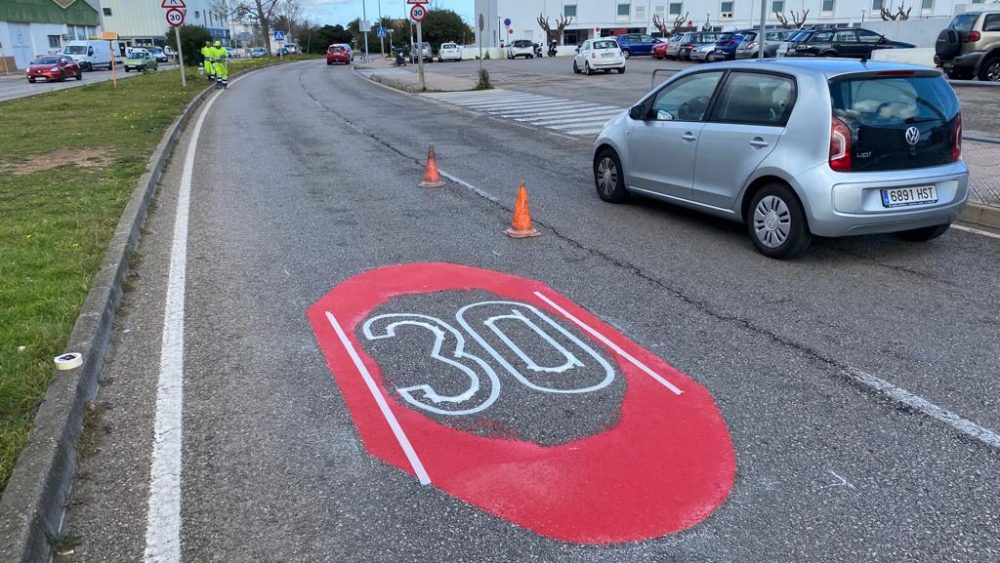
(520,226)
(432,178)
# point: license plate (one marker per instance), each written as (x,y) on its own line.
(41,78)
(901,197)
(607,54)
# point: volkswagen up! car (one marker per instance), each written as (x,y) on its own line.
(795,148)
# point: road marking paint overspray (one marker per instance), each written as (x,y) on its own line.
(920,404)
(163,516)
(667,458)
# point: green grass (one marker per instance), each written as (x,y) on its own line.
(69,161)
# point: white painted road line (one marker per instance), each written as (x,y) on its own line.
(900,395)
(631,359)
(582,110)
(383,405)
(163,518)
(976,231)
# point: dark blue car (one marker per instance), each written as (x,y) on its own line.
(636,44)
(725,47)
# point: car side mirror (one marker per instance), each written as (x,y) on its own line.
(638,112)
(577,49)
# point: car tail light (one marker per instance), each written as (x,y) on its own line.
(840,146)
(974,36)
(593,55)
(956,139)
(751,45)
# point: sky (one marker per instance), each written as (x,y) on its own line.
(322,12)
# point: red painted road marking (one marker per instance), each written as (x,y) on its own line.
(665,465)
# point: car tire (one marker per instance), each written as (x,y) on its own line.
(31,80)
(925,234)
(776,222)
(989,71)
(621,70)
(586,68)
(607,71)
(576,69)
(126,69)
(609,180)
(626,53)
(79,75)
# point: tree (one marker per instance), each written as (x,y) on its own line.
(798,19)
(442,26)
(678,24)
(899,15)
(193,38)
(554,34)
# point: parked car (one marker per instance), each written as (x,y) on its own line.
(424,50)
(693,40)
(50,69)
(795,148)
(449,52)
(636,44)
(750,47)
(292,48)
(667,49)
(725,47)
(521,48)
(233,53)
(158,54)
(853,42)
(703,54)
(599,54)
(338,53)
(970,46)
(258,53)
(282,52)
(141,60)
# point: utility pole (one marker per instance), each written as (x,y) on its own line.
(364,20)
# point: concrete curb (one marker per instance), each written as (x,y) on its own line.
(980,137)
(36,495)
(983,215)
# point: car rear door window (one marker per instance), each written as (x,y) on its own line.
(881,111)
(822,37)
(687,99)
(964,22)
(756,99)
(992,22)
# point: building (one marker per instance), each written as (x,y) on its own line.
(29,28)
(144,23)
(592,18)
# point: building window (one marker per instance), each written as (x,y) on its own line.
(927,6)
(778,6)
(107,11)
(55,42)
(624,10)
(658,11)
(877,5)
(197,14)
(977,1)
(828,6)
(675,8)
(727,8)
(569,11)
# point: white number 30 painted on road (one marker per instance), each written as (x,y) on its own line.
(449,349)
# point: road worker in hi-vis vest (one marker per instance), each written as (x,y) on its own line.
(221,65)
(206,58)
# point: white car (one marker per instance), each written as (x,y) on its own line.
(704,54)
(599,54)
(521,48)
(449,52)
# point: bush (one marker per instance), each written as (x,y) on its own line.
(193,38)
(484,81)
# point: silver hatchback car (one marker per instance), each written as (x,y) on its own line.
(795,148)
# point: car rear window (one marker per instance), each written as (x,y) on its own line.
(522,43)
(605,44)
(964,22)
(799,36)
(880,110)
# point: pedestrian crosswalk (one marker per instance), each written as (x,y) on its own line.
(569,117)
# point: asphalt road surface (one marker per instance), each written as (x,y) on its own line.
(344,366)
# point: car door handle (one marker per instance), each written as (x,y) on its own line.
(758,142)
(688,136)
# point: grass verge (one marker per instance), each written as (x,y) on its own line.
(69,161)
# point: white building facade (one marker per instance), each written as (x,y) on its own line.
(592,18)
(144,23)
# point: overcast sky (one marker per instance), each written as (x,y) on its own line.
(332,12)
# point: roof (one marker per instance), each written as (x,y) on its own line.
(828,66)
(74,12)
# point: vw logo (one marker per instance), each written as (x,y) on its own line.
(913,136)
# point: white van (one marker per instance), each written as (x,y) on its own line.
(292,48)
(92,53)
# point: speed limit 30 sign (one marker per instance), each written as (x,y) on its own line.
(174,17)
(418,13)
(512,398)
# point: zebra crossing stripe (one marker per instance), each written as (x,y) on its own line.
(559,114)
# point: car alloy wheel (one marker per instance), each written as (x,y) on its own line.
(991,72)
(772,221)
(627,53)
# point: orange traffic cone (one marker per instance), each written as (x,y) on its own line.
(432,178)
(521,227)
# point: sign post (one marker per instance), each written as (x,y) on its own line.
(175,19)
(417,13)
(481,26)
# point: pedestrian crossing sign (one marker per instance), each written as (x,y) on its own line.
(381,32)
(279,35)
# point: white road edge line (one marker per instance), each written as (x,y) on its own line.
(390,418)
(976,231)
(673,388)
(465,184)
(926,407)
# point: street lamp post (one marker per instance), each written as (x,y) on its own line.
(364,20)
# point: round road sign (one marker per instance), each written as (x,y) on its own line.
(506,395)
(418,13)
(175,17)
(506,22)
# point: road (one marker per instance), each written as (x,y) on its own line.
(776,448)
(15,86)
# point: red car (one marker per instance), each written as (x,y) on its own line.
(660,50)
(338,54)
(50,69)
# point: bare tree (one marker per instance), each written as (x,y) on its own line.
(798,19)
(899,15)
(260,13)
(661,25)
(292,10)
(553,34)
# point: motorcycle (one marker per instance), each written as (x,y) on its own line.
(538,50)
(400,58)
(552,48)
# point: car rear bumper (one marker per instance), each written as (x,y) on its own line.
(606,63)
(839,204)
(967,61)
